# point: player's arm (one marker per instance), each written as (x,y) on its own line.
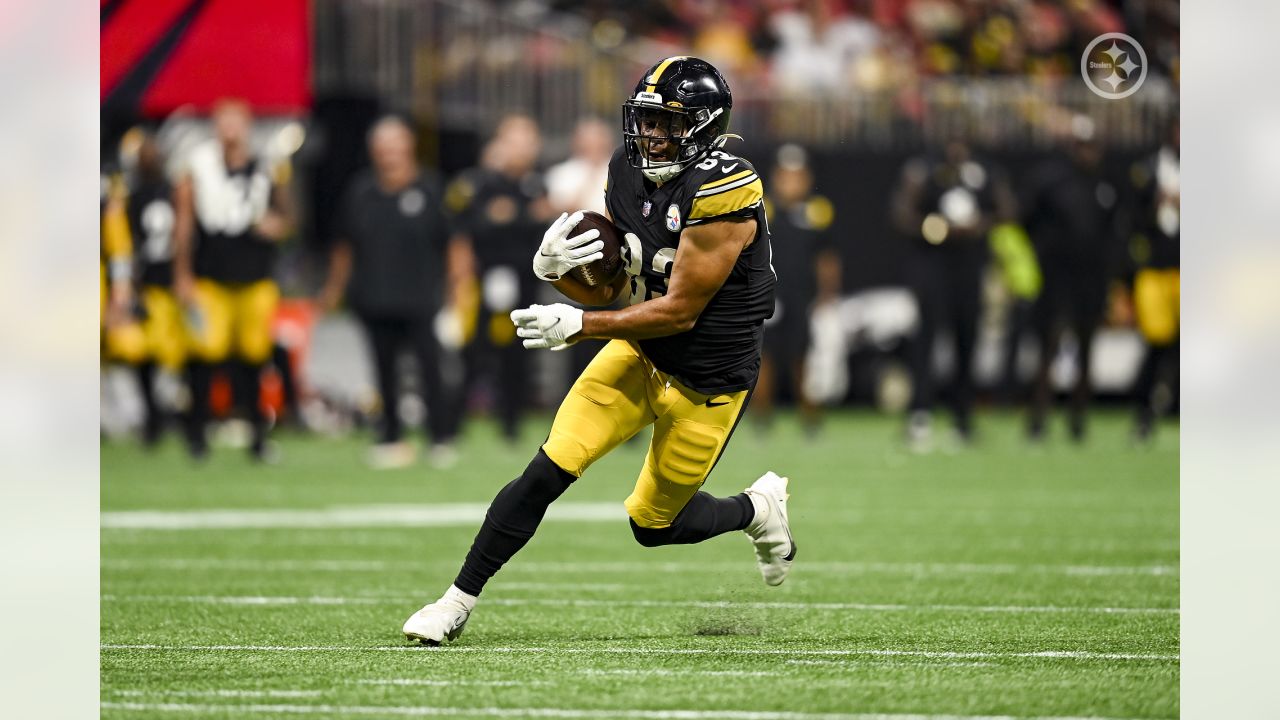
(703,261)
(335,284)
(184,229)
(278,223)
(460,268)
(117,244)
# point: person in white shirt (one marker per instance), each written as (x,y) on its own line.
(578,183)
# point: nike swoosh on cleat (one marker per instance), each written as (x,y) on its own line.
(718,404)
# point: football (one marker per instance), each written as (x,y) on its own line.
(606,269)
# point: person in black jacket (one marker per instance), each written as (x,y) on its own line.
(1069,212)
(945,205)
(501,209)
(392,259)
(1154,259)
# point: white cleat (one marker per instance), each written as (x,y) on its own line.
(769,530)
(442,620)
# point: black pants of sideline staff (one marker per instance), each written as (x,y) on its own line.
(388,335)
(948,290)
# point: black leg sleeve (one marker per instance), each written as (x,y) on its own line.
(705,517)
(512,519)
(151,421)
(199,378)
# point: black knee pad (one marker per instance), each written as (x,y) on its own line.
(544,479)
(652,537)
(542,482)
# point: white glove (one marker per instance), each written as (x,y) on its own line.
(560,253)
(548,326)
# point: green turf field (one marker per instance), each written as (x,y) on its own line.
(999,581)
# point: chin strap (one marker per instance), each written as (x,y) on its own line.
(723,140)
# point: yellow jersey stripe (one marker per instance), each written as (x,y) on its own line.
(657,73)
(727,201)
(725,181)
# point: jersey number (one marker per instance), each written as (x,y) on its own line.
(651,286)
(157,225)
(713,160)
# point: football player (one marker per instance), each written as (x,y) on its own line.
(683,357)
(121,340)
(231,213)
(151,219)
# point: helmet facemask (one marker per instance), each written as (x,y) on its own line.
(662,141)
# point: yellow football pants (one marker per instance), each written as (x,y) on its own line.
(619,394)
(232,320)
(126,343)
(166,337)
(159,337)
(1156,295)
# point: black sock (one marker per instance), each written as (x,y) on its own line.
(705,517)
(146,385)
(246,384)
(513,517)
(199,378)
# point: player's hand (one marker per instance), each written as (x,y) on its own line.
(548,326)
(560,253)
(329,299)
(184,287)
(119,304)
(274,227)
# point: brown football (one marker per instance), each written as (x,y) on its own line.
(605,270)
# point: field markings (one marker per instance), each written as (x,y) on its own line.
(547,712)
(644,650)
(221,693)
(622,567)
(264,600)
(441,515)
(909,663)
(447,683)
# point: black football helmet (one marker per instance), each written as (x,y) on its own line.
(678,114)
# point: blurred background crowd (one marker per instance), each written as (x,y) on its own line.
(317,214)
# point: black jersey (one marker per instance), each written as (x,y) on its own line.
(722,351)
(398,242)
(1155,231)
(151,220)
(501,215)
(228,204)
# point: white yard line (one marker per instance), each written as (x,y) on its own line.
(444,515)
(449,683)
(220,693)
(705,604)
(642,672)
(541,568)
(642,650)
(421,711)
(906,663)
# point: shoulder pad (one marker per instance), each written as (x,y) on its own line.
(729,186)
